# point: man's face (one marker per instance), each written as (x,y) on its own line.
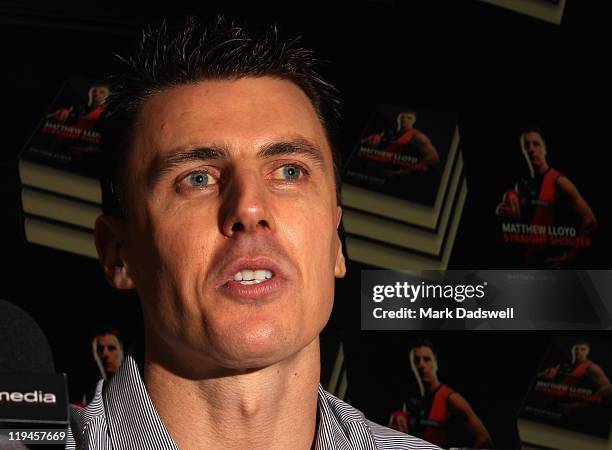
(99,94)
(408,120)
(533,148)
(581,352)
(232,222)
(424,362)
(108,350)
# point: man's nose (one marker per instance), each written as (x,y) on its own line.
(246,206)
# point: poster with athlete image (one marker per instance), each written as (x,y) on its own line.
(451,389)
(536,200)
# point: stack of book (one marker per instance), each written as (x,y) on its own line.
(404,190)
(58,168)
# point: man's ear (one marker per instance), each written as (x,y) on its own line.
(340,267)
(108,233)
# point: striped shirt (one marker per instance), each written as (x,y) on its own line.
(122,416)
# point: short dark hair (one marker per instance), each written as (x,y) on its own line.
(192,52)
(533,129)
(103,330)
(423,343)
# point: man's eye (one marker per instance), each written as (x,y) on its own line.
(290,172)
(200,179)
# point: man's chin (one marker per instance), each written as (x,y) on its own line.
(259,354)
(249,359)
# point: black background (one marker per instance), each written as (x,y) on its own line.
(497,68)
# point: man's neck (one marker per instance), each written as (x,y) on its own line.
(540,169)
(431,387)
(271,407)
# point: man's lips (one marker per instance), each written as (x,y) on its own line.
(253,291)
(244,278)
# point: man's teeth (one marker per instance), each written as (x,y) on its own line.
(253,276)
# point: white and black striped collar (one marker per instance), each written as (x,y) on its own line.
(130,413)
(122,416)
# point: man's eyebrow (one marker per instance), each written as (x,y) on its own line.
(295,146)
(177,158)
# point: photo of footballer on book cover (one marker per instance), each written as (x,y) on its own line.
(430,410)
(535,192)
(544,212)
(402,152)
(572,388)
(455,390)
(69,134)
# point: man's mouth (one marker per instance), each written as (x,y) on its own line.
(253,276)
(250,278)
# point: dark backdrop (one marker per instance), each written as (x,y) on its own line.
(492,65)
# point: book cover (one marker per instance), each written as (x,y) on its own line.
(419,384)
(571,390)
(402,164)
(536,200)
(401,153)
(68,135)
(542,214)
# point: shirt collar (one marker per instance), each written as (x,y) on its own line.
(341,426)
(133,421)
